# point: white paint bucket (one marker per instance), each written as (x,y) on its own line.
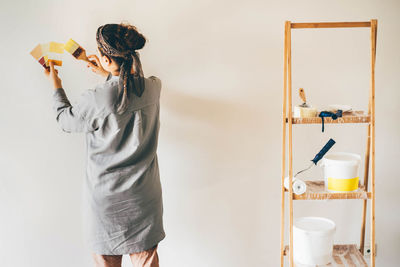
(313,240)
(341,171)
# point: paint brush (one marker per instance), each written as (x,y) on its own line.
(77,51)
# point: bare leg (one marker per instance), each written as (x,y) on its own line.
(107,260)
(147,258)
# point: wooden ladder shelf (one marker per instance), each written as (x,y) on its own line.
(350,254)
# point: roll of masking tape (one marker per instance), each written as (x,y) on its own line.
(304,112)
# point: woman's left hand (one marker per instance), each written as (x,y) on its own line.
(53,76)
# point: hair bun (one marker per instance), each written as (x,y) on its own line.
(134,40)
(140,41)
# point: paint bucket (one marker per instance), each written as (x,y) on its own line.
(341,171)
(313,240)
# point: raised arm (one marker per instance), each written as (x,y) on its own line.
(80,117)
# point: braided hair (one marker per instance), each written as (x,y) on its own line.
(120,42)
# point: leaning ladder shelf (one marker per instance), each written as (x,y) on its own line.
(343,255)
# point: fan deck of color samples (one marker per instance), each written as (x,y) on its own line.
(73,48)
(45,53)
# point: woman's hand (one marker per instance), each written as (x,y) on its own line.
(96,69)
(52,74)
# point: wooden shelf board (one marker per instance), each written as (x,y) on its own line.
(343,256)
(304,25)
(356,117)
(316,191)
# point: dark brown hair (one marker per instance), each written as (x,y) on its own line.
(119,42)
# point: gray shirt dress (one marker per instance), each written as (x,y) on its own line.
(122,198)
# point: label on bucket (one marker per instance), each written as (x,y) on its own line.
(336,184)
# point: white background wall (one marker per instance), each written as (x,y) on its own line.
(221,63)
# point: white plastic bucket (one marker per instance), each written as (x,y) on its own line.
(313,240)
(341,171)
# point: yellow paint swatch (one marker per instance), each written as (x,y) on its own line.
(56,62)
(45,48)
(56,47)
(46,60)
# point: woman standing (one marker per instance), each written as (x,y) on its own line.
(122,191)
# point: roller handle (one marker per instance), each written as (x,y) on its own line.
(323,151)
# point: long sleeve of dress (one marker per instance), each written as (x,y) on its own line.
(77,118)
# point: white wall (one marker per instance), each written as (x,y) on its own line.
(221,63)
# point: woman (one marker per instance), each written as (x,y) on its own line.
(123,199)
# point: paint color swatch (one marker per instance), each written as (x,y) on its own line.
(45,53)
(39,56)
(56,47)
(53,52)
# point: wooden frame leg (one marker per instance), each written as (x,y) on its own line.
(366,173)
(372,97)
(283,149)
(289,57)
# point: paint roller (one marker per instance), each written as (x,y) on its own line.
(299,186)
(319,156)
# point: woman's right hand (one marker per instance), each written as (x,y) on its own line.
(96,69)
